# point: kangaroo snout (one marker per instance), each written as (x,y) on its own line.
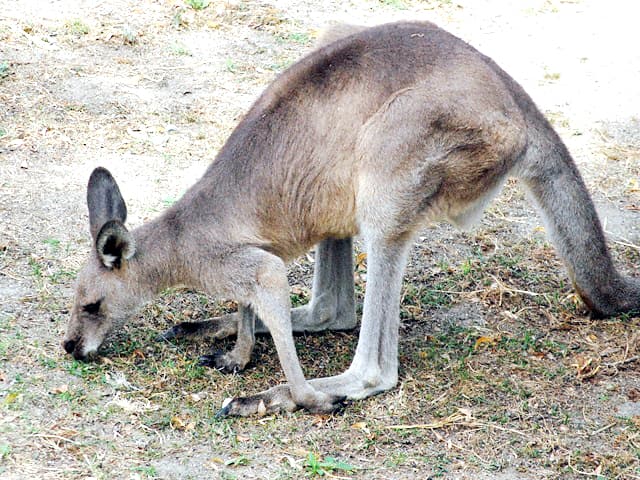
(78,350)
(69,345)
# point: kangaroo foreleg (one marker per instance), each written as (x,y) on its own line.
(375,365)
(236,359)
(219,328)
(270,301)
(332,305)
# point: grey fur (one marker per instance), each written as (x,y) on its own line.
(372,134)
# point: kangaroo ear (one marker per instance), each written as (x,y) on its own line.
(104,201)
(114,244)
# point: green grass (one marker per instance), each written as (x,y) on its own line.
(5,450)
(147,471)
(198,4)
(298,38)
(76,27)
(52,242)
(330,466)
(167,202)
(180,50)
(397,4)
(230,66)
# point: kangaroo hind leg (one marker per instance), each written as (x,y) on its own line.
(332,305)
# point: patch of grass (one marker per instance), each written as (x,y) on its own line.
(62,276)
(5,452)
(552,76)
(198,4)
(299,297)
(180,50)
(85,370)
(327,467)
(281,64)
(52,242)
(76,27)
(129,35)
(439,464)
(300,38)
(230,66)
(7,341)
(194,371)
(397,4)
(49,363)
(237,461)
(146,470)
(396,459)
(4,70)
(557,119)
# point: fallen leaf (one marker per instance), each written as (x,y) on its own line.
(300,291)
(361,260)
(489,341)
(320,419)
(586,367)
(182,423)
(11,398)
(60,389)
(361,426)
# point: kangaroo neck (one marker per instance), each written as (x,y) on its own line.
(157,263)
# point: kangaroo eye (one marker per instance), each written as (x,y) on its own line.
(92,307)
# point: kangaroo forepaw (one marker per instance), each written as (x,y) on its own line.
(278,399)
(180,330)
(218,328)
(224,362)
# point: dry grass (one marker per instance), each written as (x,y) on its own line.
(503,374)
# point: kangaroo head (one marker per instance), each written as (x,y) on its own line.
(103,289)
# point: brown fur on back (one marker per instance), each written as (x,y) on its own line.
(291,165)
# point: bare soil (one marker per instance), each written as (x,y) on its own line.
(503,374)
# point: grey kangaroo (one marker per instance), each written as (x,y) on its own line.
(372,134)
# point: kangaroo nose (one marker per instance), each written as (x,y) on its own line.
(69,345)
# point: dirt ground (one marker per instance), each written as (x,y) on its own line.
(503,374)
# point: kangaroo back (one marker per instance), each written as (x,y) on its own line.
(296,164)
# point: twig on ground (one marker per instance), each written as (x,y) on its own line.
(461,418)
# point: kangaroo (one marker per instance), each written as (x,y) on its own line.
(372,134)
